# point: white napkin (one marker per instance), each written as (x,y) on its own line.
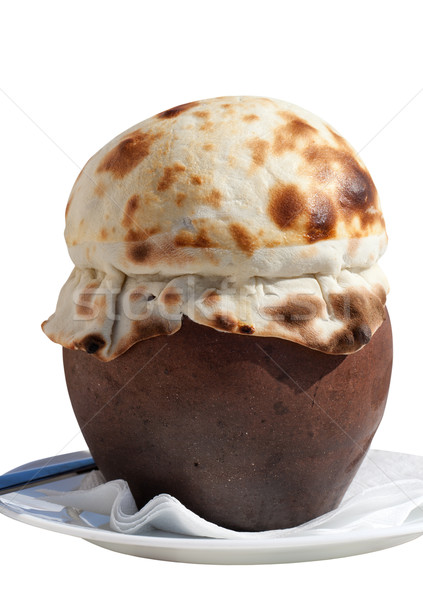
(386,492)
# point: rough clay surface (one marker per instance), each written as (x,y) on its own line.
(250,433)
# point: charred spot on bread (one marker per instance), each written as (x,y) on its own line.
(285,204)
(248,329)
(170,176)
(259,149)
(92,343)
(139,252)
(124,157)
(244,239)
(225,322)
(175,111)
(322,219)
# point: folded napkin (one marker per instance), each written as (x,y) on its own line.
(386,492)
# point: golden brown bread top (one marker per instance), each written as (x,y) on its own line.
(252,191)
(237,173)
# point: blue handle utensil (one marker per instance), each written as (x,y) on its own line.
(46,468)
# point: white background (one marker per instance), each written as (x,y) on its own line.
(75,74)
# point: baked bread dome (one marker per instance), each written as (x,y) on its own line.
(248,215)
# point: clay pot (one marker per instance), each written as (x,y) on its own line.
(251,433)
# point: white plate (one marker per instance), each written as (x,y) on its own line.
(27,506)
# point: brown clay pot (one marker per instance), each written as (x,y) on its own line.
(251,433)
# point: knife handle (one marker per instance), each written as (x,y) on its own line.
(45,468)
